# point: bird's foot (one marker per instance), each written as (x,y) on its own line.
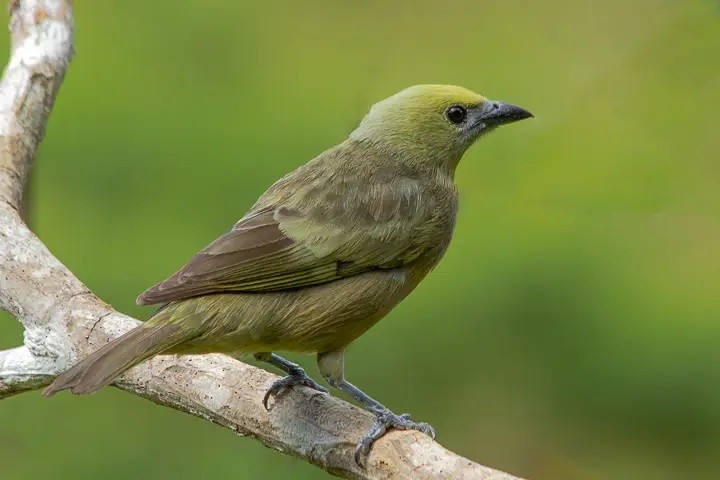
(384,420)
(298,377)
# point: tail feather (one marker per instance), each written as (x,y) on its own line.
(104,365)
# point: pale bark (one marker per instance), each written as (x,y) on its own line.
(63,320)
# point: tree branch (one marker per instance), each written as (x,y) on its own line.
(64,321)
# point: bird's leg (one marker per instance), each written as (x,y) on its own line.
(295,376)
(332,367)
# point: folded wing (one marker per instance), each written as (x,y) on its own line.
(310,240)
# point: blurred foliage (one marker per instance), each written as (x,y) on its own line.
(571,331)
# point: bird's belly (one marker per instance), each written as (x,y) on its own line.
(316,319)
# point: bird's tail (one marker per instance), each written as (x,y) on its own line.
(104,365)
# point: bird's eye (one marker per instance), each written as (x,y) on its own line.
(456,114)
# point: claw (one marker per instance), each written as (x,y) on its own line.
(280,386)
(384,421)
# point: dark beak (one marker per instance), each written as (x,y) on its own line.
(495,113)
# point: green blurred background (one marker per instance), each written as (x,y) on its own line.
(571,331)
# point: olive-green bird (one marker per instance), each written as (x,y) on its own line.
(324,253)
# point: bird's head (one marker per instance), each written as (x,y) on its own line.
(434,123)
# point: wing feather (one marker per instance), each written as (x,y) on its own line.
(319,234)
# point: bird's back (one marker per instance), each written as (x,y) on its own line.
(373,194)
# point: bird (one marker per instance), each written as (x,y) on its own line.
(325,253)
